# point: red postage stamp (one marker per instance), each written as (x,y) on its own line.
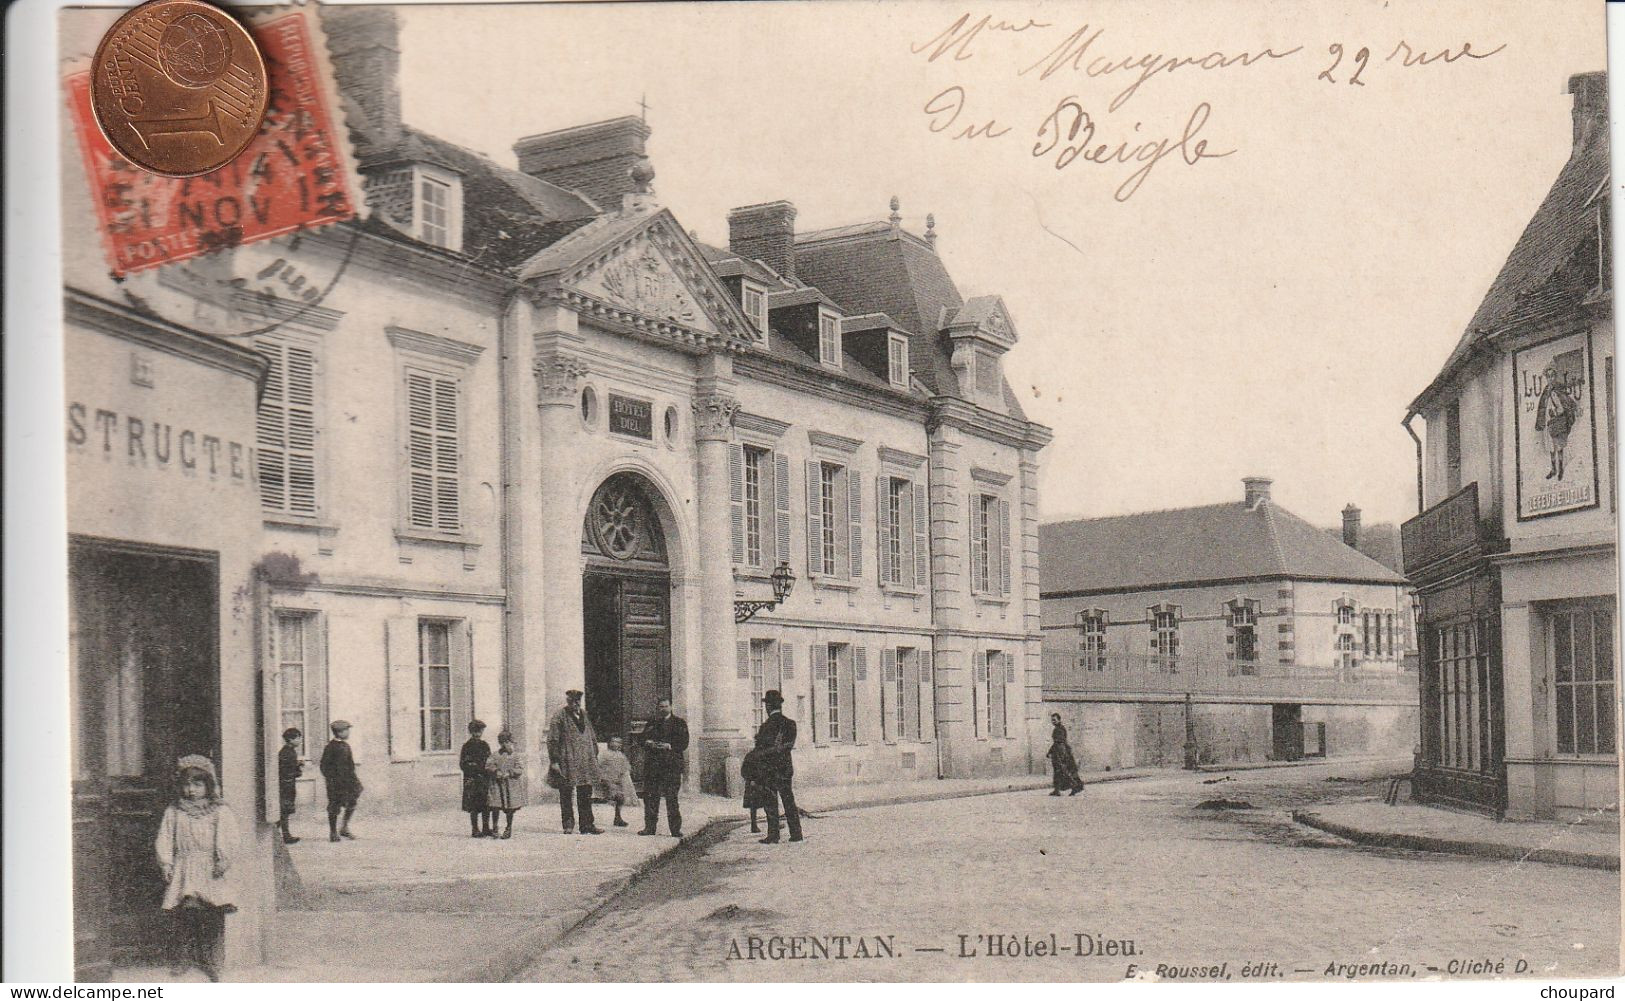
(298,172)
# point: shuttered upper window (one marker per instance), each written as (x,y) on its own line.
(990,544)
(286,431)
(433,452)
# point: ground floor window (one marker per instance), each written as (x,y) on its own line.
(1463,694)
(293,673)
(1582,657)
(434,684)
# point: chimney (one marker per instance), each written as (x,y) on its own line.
(364,44)
(1351,527)
(1590,92)
(767,233)
(1258,490)
(595,160)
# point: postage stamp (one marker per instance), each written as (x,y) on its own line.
(296,174)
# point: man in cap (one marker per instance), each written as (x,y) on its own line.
(774,739)
(343,785)
(665,742)
(288,770)
(572,755)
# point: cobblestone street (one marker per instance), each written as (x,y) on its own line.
(1172,871)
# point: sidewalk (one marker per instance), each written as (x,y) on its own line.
(1593,844)
(416,899)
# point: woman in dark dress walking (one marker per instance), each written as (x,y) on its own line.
(1063,766)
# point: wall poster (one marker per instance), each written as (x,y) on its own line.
(1554,428)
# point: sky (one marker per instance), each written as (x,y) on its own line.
(1265,304)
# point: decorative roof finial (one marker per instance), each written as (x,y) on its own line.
(895,219)
(931,229)
(642,175)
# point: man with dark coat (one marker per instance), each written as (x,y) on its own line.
(665,741)
(572,755)
(775,768)
(343,785)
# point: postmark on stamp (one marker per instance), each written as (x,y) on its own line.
(296,174)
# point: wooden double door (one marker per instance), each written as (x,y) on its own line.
(144,688)
(627,624)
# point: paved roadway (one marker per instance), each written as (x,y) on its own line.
(1141,864)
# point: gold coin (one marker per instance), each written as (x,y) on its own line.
(179,87)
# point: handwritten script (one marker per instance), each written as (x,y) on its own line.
(1070,130)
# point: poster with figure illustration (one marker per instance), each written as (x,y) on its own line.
(1555,432)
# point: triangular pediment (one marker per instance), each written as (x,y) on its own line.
(647,265)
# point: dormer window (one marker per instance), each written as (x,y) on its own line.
(754,303)
(829,339)
(437,207)
(897,360)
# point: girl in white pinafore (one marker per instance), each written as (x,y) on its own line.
(196,844)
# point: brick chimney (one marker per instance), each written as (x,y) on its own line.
(1351,527)
(364,44)
(767,233)
(1257,490)
(595,159)
(1590,92)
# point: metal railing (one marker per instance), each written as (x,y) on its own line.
(1070,673)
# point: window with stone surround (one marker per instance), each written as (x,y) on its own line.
(1582,652)
(1164,620)
(437,210)
(753,302)
(434,685)
(1241,634)
(1092,639)
(433,452)
(990,544)
(756,461)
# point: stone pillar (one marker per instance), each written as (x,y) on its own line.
(951,674)
(723,714)
(1525,685)
(556,663)
(1026,593)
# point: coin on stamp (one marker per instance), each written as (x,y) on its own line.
(179,87)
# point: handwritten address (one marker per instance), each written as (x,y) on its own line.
(1068,131)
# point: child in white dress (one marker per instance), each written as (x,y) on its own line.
(615,778)
(196,844)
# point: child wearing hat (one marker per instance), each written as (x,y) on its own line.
(472,760)
(505,790)
(288,770)
(343,784)
(196,843)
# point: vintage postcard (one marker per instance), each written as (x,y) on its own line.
(777,492)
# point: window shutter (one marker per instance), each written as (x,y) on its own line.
(995,696)
(401,653)
(888,693)
(843,538)
(271,431)
(816,655)
(420,449)
(854,498)
(903,572)
(1009,669)
(316,715)
(978,579)
(1004,547)
(461,638)
(888,666)
(781,500)
(742,659)
(981,668)
(447,457)
(815,525)
(849,706)
(736,499)
(911,695)
(922,538)
(884,569)
(860,661)
(301,403)
(787,661)
(773,669)
(1151,619)
(925,667)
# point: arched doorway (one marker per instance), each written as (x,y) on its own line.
(626,606)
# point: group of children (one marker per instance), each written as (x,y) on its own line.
(495,782)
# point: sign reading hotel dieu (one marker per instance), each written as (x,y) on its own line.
(1554,423)
(630,416)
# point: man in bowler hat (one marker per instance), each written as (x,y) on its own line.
(774,739)
(665,741)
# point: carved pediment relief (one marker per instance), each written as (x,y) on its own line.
(651,273)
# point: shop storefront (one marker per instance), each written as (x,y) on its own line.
(163,521)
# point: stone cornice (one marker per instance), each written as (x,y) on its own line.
(160,335)
(434,345)
(625,321)
(974,420)
(402,259)
(833,442)
(826,384)
(756,424)
(898,457)
(991,477)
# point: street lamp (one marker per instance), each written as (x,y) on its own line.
(784,580)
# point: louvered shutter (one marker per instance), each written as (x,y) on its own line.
(773,670)
(981,668)
(787,662)
(736,499)
(1151,618)
(781,501)
(1004,547)
(854,498)
(931,702)
(460,636)
(995,695)
(286,429)
(849,694)
(922,538)
(978,567)
(316,714)
(884,569)
(888,694)
(301,403)
(911,694)
(401,654)
(817,657)
(843,538)
(742,659)
(815,524)
(420,449)
(860,661)
(447,457)
(1009,669)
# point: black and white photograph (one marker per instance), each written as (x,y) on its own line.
(818,492)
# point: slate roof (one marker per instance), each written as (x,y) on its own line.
(1193,545)
(1380,542)
(1552,267)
